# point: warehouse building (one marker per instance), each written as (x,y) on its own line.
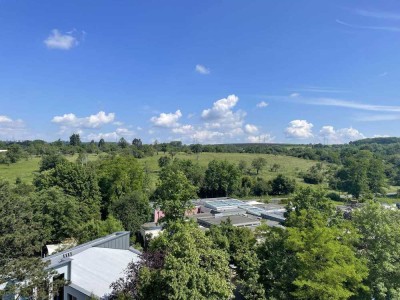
(90,268)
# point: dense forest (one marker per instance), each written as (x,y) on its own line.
(319,254)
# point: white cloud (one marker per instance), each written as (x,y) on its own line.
(202,70)
(221,115)
(384,28)
(263,138)
(299,129)
(167,120)
(203,136)
(250,129)
(350,104)
(378,14)
(13,129)
(294,95)
(92,121)
(5,119)
(339,136)
(381,135)
(111,136)
(57,40)
(220,108)
(262,104)
(183,129)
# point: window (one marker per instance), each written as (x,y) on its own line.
(70,297)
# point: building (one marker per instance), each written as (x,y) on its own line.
(236,220)
(90,268)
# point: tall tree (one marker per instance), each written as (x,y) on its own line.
(173,194)
(21,239)
(361,173)
(132,210)
(327,263)
(259,163)
(77,181)
(122,143)
(190,268)
(75,139)
(137,142)
(380,245)
(222,178)
(118,176)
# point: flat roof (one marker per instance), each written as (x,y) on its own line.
(237,220)
(96,268)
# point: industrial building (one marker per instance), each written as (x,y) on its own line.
(213,211)
(90,268)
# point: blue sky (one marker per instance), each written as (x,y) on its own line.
(207,71)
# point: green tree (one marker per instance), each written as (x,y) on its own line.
(94,229)
(315,174)
(50,161)
(173,194)
(242,166)
(309,199)
(58,213)
(21,238)
(282,185)
(132,210)
(327,265)
(137,142)
(187,267)
(14,153)
(101,144)
(221,178)
(259,163)
(122,143)
(75,140)
(164,161)
(380,245)
(118,176)
(77,181)
(361,173)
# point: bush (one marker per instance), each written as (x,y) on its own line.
(282,185)
(333,196)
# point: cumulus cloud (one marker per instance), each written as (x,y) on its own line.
(262,104)
(111,136)
(262,138)
(92,121)
(183,129)
(167,120)
(5,119)
(202,136)
(250,129)
(299,129)
(11,129)
(339,136)
(202,70)
(57,40)
(221,115)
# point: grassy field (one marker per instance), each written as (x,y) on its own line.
(26,168)
(289,166)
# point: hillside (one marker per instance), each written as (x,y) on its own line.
(289,166)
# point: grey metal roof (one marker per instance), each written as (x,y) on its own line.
(118,240)
(95,269)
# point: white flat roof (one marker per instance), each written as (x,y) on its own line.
(96,268)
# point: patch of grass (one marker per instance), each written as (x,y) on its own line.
(26,168)
(23,169)
(289,166)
